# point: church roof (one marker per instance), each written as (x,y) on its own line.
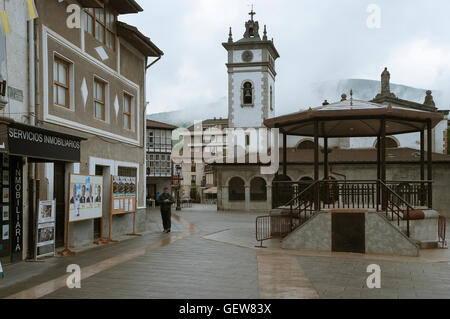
(361,156)
(351,156)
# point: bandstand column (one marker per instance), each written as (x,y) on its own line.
(378,170)
(383,162)
(284,154)
(316,164)
(422,169)
(325,158)
(430,163)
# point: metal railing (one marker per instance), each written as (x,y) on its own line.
(417,193)
(395,207)
(269,227)
(348,194)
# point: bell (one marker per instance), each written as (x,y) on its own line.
(247,93)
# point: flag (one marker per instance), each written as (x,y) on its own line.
(4,21)
(32,12)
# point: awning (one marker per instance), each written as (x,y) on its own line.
(212,190)
(38,144)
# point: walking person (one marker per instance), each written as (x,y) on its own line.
(165,202)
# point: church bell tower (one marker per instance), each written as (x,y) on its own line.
(251,77)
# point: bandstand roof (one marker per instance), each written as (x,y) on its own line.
(354,118)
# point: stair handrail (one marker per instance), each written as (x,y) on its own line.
(402,200)
(302,193)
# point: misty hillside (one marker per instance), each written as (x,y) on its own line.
(329,90)
(367,90)
(186,117)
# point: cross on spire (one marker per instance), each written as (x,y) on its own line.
(252,13)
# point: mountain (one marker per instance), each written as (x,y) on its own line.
(328,90)
(186,117)
(367,90)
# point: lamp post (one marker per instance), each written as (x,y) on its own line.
(177,183)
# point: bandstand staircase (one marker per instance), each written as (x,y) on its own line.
(394,200)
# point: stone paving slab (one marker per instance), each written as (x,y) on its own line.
(22,276)
(213,276)
(214,258)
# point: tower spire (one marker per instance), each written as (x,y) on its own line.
(230,36)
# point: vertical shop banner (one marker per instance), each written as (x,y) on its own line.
(16,207)
(85,199)
(5,218)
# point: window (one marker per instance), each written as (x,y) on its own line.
(271,99)
(248,93)
(258,189)
(89,21)
(61,86)
(390,143)
(127,171)
(194,180)
(100,24)
(127,106)
(99,99)
(236,189)
(151,141)
(160,165)
(159,141)
(306,145)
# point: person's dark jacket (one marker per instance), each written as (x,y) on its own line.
(165,206)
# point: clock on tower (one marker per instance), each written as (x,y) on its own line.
(251,77)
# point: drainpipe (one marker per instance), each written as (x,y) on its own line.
(32,121)
(144,128)
(32,73)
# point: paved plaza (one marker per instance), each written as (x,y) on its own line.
(212,254)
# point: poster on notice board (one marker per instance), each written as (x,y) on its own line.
(85,200)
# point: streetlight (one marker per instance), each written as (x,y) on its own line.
(177,184)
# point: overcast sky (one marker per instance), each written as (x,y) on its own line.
(318,40)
